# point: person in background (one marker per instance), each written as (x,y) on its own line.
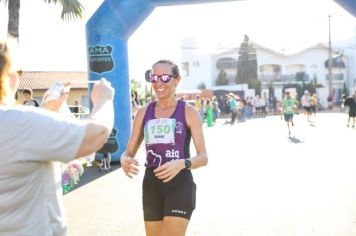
(263,101)
(209,112)
(76,109)
(305,102)
(29,100)
(32,141)
(198,104)
(134,105)
(288,107)
(313,104)
(232,106)
(167,126)
(216,110)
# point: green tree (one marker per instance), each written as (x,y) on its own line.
(135,85)
(71,9)
(136,88)
(222,78)
(301,76)
(201,86)
(311,86)
(247,65)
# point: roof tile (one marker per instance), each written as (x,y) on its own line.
(46,79)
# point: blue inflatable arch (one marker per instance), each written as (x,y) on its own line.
(107,33)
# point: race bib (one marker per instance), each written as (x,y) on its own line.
(160,131)
(289,109)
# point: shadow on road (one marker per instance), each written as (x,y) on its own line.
(295,140)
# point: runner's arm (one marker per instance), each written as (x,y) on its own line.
(128,163)
(136,135)
(195,125)
(98,128)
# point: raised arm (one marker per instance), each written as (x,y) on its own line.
(195,125)
(101,122)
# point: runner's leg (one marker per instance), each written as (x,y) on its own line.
(154,228)
(174,226)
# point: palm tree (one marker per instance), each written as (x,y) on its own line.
(71,9)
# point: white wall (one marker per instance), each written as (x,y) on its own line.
(200,70)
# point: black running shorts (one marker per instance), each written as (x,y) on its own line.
(306,108)
(175,198)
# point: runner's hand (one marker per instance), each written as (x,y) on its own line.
(169,170)
(129,166)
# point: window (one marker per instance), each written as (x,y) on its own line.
(185,69)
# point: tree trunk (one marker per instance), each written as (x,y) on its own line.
(14,19)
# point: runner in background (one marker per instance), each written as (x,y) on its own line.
(289,105)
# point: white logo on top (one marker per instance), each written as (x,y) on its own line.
(157,157)
(172,153)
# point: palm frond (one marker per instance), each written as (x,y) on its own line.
(4,1)
(51,1)
(71,9)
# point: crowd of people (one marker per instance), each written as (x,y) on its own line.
(232,106)
(235,108)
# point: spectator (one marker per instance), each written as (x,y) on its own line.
(29,100)
(32,142)
(76,107)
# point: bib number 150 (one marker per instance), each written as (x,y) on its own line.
(161,129)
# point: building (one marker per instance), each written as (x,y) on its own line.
(275,69)
(40,81)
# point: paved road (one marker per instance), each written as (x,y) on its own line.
(258,183)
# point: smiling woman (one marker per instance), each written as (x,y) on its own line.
(167,126)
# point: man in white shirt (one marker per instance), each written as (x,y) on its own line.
(32,141)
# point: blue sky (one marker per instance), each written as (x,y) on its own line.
(49,44)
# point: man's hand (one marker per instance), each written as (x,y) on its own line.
(102,92)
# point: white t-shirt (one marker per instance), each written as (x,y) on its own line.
(32,140)
(305,100)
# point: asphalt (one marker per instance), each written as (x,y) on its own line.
(258,182)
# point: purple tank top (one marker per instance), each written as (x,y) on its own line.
(166,139)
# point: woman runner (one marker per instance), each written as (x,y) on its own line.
(167,126)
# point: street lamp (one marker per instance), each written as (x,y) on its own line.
(330,75)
